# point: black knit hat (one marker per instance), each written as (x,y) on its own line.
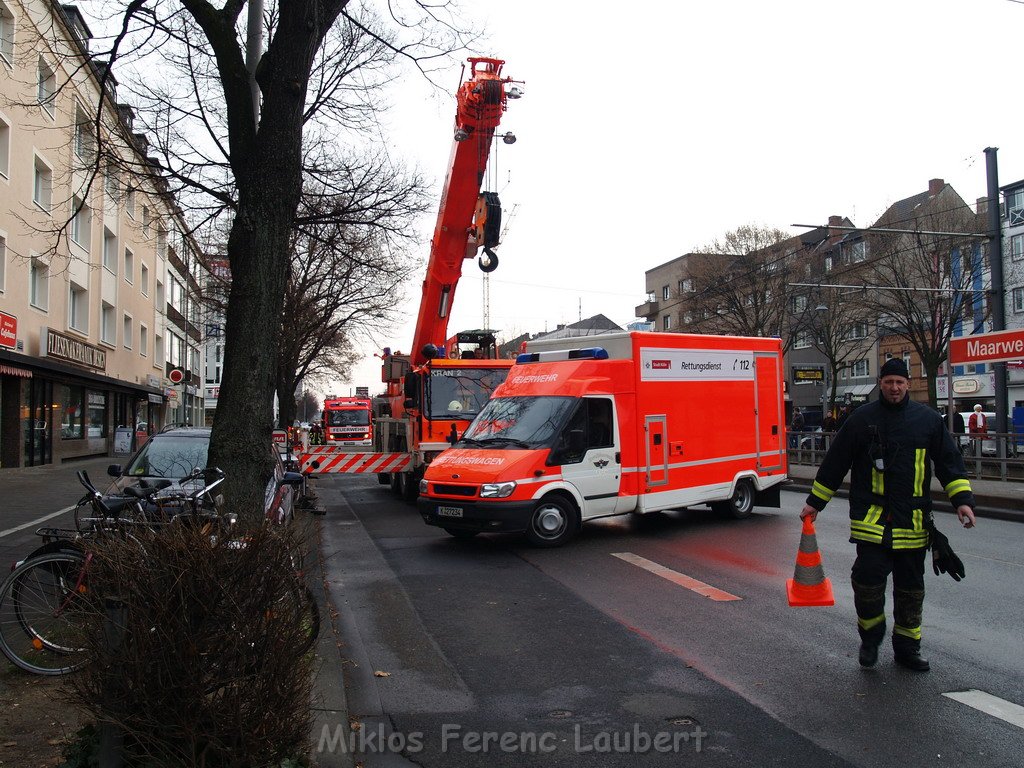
(894,366)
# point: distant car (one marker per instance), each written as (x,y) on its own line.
(175,453)
(813,441)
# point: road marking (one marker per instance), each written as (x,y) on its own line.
(675,577)
(990,705)
(37,521)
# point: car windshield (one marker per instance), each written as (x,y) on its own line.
(518,422)
(354,417)
(169,455)
(460,393)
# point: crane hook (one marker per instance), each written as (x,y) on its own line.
(489,261)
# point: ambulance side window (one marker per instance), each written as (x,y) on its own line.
(599,423)
(572,440)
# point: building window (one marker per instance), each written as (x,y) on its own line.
(143,340)
(799,304)
(108,333)
(161,243)
(857,331)
(3,261)
(129,202)
(42,184)
(110,183)
(96,414)
(39,284)
(129,265)
(1015,207)
(160,304)
(5,149)
(158,351)
(177,298)
(144,279)
(828,263)
(78,308)
(85,144)
(803,340)
(126,331)
(6,35)
(860,368)
(664,292)
(46,89)
(81,222)
(145,220)
(686,285)
(72,401)
(858,251)
(666,322)
(1018,299)
(109,251)
(1017,247)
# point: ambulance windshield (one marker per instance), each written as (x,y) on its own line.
(518,422)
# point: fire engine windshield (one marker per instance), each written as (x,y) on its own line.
(461,393)
(518,422)
(352,417)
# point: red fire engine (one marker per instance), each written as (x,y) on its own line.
(347,421)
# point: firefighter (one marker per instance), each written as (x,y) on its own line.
(890,446)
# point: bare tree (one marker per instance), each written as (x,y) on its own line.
(742,287)
(342,285)
(238,157)
(839,326)
(936,284)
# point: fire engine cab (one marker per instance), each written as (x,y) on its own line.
(625,422)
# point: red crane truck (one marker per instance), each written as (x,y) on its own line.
(432,394)
(619,423)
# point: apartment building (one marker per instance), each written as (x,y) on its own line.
(94,263)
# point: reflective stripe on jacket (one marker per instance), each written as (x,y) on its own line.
(889,451)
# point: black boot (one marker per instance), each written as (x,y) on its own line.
(911,659)
(868,654)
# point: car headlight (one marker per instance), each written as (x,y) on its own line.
(423,486)
(496,490)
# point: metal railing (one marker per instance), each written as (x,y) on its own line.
(998,456)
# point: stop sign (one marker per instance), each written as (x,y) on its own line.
(176,375)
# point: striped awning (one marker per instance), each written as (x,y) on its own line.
(10,370)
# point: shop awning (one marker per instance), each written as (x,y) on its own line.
(856,390)
(10,370)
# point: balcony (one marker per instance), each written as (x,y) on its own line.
(649,309)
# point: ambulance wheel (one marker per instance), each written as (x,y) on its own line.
(460,533)
(553,523)
(741,504)
(408,485)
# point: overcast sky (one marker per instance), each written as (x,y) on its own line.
(652,128)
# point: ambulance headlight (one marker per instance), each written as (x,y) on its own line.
(423,487)
(496,490)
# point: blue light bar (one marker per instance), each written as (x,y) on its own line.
(590,353)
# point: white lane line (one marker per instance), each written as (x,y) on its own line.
(35,522)
(675,577)
(990,705)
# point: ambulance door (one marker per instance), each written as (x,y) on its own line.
(767,404)
(596,471)
(657,455)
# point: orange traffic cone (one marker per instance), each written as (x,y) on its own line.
(809,585)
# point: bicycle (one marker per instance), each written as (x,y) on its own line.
(41,599)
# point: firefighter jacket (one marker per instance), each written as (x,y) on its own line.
(889,450)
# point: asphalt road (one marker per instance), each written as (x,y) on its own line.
(489,652)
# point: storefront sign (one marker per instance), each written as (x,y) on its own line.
(8,330)
(808,374)
(61,347)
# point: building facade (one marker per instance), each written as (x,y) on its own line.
(92,255)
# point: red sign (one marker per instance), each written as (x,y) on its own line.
(176,375)
(8,330)
(987,347)
(279,436)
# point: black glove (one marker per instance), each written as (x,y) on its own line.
(944,559)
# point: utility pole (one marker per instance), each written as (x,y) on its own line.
(995,261)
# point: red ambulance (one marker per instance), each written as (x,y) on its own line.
(627,422)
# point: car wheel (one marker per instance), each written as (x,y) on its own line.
(554,522)
(740,504)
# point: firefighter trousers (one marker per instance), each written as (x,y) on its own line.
(870,574)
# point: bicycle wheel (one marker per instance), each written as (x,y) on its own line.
(41,626)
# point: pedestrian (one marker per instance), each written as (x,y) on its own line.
(890,445)
(958,428)
(977,425)
(797,426)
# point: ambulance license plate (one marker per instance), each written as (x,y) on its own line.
(449,512)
